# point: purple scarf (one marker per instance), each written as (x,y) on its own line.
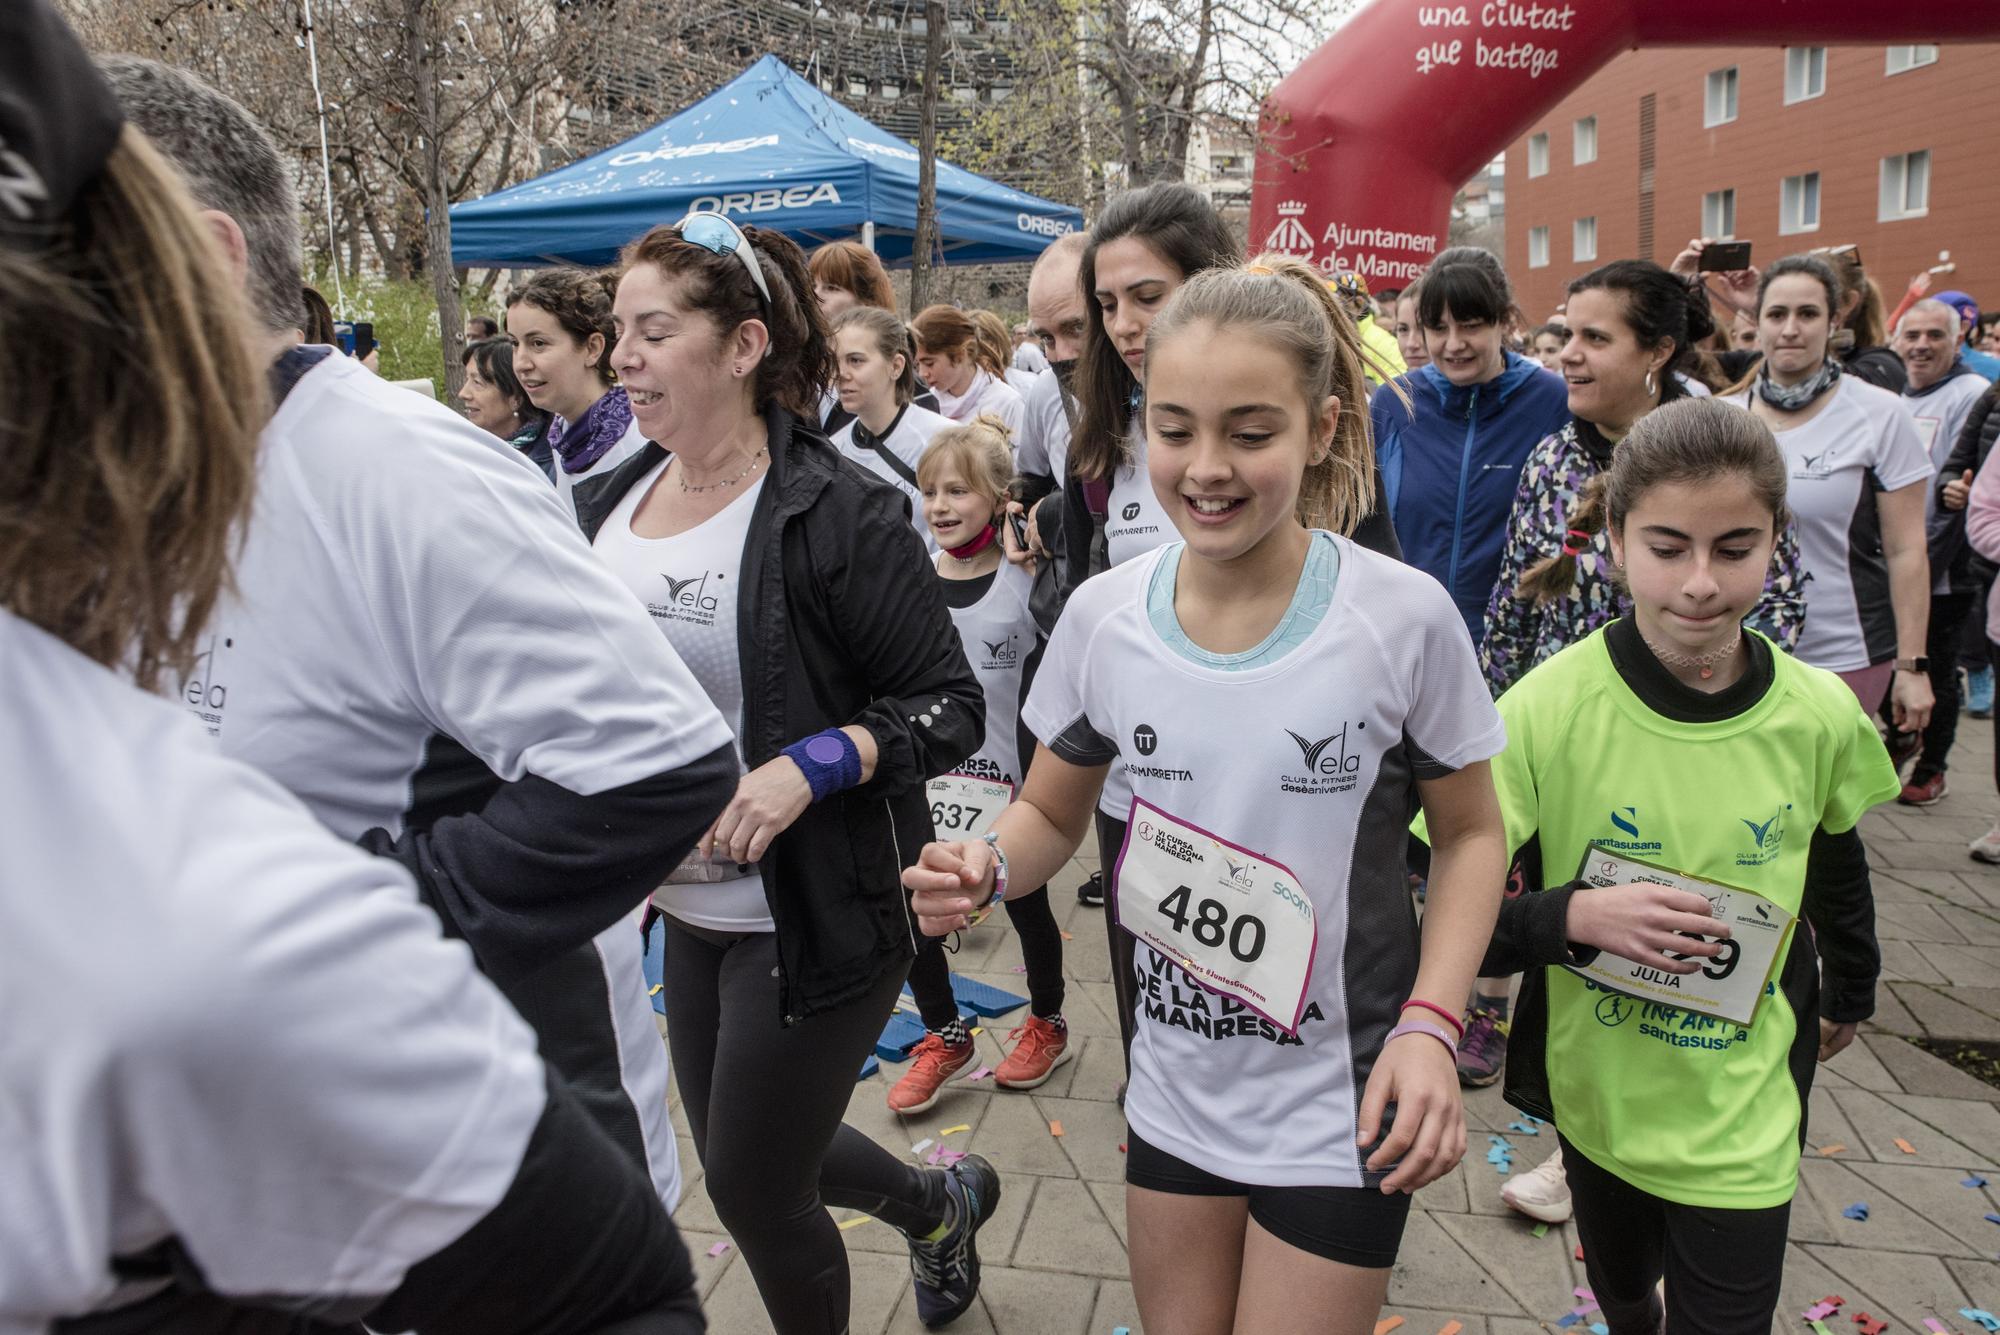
(586,441)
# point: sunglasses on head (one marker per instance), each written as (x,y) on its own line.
(715,233)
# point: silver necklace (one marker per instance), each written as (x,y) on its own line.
(1706,662)
(748,469)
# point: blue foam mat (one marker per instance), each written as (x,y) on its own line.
(983,998)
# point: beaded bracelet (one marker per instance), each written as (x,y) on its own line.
(1422,1027)
(1457,1025)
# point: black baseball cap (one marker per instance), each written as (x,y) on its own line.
(59,120)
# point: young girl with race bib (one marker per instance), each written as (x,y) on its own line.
(966,476)
(1669,1031)
(1280,696)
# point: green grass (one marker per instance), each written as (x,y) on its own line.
(406,324)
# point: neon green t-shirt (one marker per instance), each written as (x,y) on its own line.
(1693,1110)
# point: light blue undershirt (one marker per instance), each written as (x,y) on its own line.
(1309,604)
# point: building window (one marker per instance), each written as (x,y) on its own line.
(1719,107)
(857,88)
(891,91)
(1805,73)
(1903,59)
(1585,141)
(1583,239)
(1906,186)
(1798,204)
(1538,154)
(1718,215)
(999,92)
(963,93)
(1538,247)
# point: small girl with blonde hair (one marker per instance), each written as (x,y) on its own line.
(966,476)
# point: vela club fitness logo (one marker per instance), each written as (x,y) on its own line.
(1000,654)
(1768,835)
(1330,765)
(688,600)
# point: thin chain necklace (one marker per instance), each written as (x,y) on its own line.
(748,469)
(1706,662)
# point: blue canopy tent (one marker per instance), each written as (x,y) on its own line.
(765,148)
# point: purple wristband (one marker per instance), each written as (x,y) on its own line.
(1422,1027)
(829,760)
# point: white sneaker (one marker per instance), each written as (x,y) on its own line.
(1542,1192)
(1987,846)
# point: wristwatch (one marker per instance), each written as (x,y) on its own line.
(1919,664)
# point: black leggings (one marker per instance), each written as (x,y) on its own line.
(1723,1267)
(1041,950)
(1124,980)
(764,1102)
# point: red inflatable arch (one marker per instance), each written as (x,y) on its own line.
(1365,143)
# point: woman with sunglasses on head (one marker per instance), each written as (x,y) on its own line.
(1858,474)
(561,326)
(494,401)
(793,587)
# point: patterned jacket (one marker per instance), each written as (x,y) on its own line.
(1519,634)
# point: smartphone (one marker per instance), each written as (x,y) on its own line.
(1724,257)
(1019,525)
(343,336)
(364,338)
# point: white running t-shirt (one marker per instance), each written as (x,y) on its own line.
(998,634)
(1859,444)
(690,583)
(1311,762)
(906,439)
(1134,524)
(983,395)
(224,1025)
(405,576)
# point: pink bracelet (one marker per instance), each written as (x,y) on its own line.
(1422,1027)
(1457,1025)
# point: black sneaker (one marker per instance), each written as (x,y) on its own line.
(1091,892)
(945,1273)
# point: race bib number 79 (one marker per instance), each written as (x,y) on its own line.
(1240,924)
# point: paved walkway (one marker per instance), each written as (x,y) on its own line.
(1055,1254)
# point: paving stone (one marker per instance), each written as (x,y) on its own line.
(1920,1073)
(1807,1280)
(1880,1120)
(1979,1280)
(1015,1136)
(1419,1322)
(1891,1226)
(1067,1231)
(1891,1016)
(1433,1272)
(1985,999)
(1448,1193)
(1092,1133)
(878,1284)
(1942,1016)
(1826,1124)
(1098,1070)
(1913,922)
(868,1110)
(1976,926)
(1962,965)
(1861,1067)
(708,1270)
(1973,1128)
(1936,1194)
(1538,1273)
(1029,1302)
(1110,1198)
(1917,855)
(1115,1307)
(1904,962)
(1901,1289)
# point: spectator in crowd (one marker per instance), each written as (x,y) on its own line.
(495,402)
(1861,335)
(995,350)
(952,364)
(1381,360)
(847,274)
(1939,397)
(318,325)
(1545,345)
(479,327)
(887,432)
(1409,334)
(1986,363)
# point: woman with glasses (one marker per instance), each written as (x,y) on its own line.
(793,587)
(495,402)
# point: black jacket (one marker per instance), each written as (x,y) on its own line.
(840,622)
(1970,571)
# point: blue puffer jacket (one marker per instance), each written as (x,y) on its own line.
(1450,465)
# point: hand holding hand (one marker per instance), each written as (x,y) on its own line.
(948,883)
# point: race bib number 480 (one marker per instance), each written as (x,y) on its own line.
(1240,924)
(963,807)
(1727,986)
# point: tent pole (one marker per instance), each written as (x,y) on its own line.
(868,234)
